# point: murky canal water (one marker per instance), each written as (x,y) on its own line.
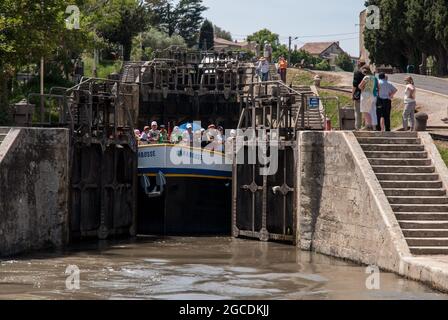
(197,268)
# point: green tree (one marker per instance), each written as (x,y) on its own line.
(437,18)
(148,42)
(184,19)
(121,20)
(411,31)
(263,36)
(324,65)
(223,34)
(164,15)
(390,44)
(206,36)
(31,30)
(189,14)
(344,62)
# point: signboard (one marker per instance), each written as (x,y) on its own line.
(180,160)
(313,102)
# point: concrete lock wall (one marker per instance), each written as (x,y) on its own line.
(342,210)
(34,185)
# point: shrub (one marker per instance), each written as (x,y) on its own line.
(324,65)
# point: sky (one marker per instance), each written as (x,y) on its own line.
(310,20)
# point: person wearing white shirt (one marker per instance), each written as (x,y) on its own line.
(263,69)
(409,104)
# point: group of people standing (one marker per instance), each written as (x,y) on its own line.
(373,97)
(264,67)
(212,138)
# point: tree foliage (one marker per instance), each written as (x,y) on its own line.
(148,42)
(344,62)
(31,30)
(263,36)
(223,34)
(121,20)
(410,31)
(184,19)
(206,36)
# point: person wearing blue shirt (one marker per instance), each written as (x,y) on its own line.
(384,103)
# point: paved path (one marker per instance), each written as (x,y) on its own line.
(432,84)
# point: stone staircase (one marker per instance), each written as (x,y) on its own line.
(314,120)
(3,133)
(413,187)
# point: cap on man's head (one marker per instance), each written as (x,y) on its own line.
(146,128)
(189,126)
(212,126)
(162,126)
(154,123)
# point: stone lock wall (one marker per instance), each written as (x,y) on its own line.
(34,190)
(342,210)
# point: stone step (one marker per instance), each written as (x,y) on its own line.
(422,216)
(415,192)
(427,242)
(2,137)
(411,184)
(374,134)
(4,130)
(418,200)
(389,141)
(425,233)
(399,169)
(400,162)
(426,251)
(408,177)
(423,225)
(420,208)
(393,147)
(396,155)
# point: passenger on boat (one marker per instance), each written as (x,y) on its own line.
(154,133)
(137,134)
(188,136)
(145,134)
(215,139)
(176,136)
(163,135)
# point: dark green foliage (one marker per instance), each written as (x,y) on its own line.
(324,65)
(263,36)
(410,32)
(344,62)
(223,34)
(184,19)
(206,36)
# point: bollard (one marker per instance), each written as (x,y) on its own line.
(317,80)
(421,122)
(328,126)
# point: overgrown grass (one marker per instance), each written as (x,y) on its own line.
(104,68)
(396,116)
(300,77)
(331,105)
(443,149)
